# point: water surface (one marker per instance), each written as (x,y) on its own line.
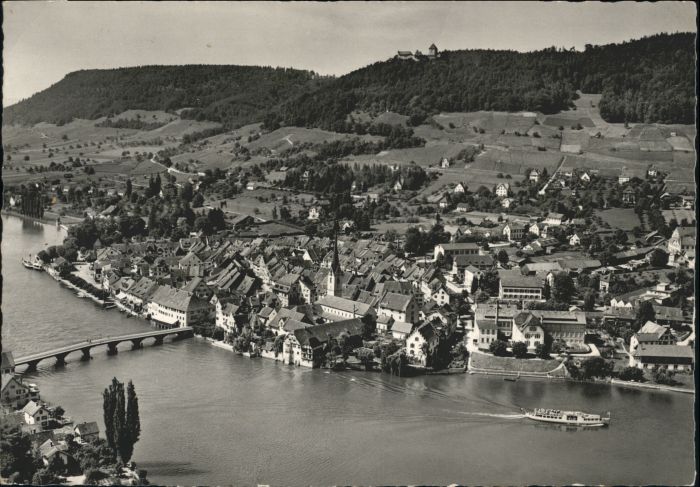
(211,417)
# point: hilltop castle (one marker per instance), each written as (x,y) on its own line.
(418,56)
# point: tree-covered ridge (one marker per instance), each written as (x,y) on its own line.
(232,95)
(646,80)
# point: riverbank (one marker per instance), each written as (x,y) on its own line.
(75,288)
(49,218)
(481,363)
(655,387)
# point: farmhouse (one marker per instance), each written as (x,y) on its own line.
(670,357)
(651,334)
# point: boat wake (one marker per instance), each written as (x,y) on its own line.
(496,415)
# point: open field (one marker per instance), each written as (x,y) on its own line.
(623,218)
(287,137)
(516,161)
(680,144)
(400,227)
(260,202)
(147,116)
(390,118)
(508,364)
(568,119)
(430,155)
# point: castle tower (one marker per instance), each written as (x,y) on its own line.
(334,284)
(433,50)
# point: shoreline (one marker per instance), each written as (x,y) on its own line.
(468,370)
(44,220)
(73,287)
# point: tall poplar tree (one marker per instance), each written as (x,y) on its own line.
(121,418)
(133,422)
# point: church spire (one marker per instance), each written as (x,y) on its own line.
(335,264)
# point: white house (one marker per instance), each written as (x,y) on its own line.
(314,213)
(36,413)
(15,393)
(502,190)
(460,188)
(513,231)
(420,342)
(527,327)
(539,229)
(400,307)
(554,219)
(226,316)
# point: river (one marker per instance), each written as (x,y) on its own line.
(211,417)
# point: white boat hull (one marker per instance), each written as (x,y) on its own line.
(569,418)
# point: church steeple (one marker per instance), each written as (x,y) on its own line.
(334,285)
(335,264)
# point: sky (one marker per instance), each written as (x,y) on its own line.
(45,40)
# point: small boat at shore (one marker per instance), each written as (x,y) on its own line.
(573,418)
(30,263)
(510,379)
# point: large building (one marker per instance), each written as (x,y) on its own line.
(454,249)
(669,357)
(529,326)
(176,307)
(335,308)
(514,286)
(305,346)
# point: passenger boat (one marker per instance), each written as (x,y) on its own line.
(575,418)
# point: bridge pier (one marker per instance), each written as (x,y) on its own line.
(86,354)
(136,339)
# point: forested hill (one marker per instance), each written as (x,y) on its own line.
(234,95)
(646,80)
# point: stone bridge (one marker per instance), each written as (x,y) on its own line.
(111,343)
